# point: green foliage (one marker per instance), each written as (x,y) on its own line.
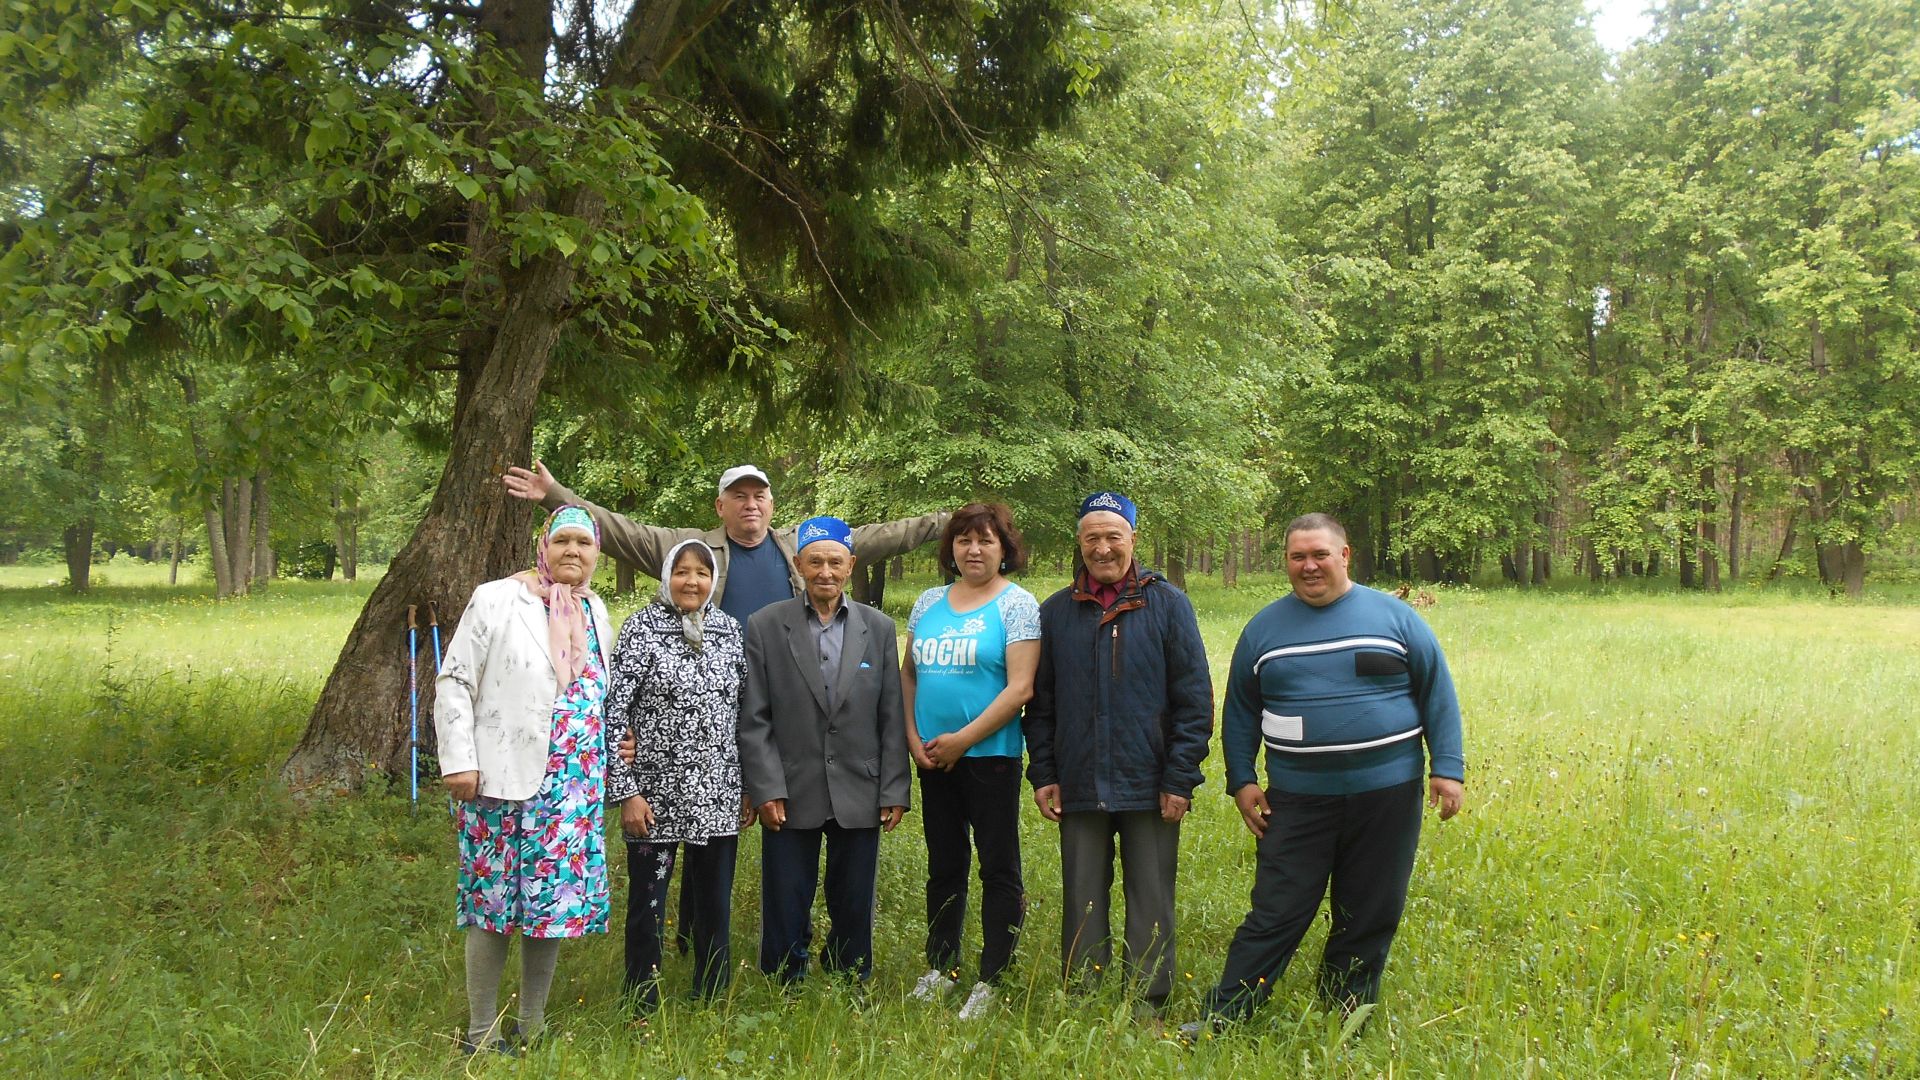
(1443,170)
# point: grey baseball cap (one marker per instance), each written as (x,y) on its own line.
(742,472)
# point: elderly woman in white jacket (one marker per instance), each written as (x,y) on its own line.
(522,747)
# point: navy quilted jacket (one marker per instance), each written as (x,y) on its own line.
(1122,705)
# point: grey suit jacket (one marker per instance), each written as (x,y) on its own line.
(844,766)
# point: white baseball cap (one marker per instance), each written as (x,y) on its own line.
(742,472)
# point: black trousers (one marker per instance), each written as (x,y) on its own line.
(706,914)
(789,875)
(1363,845)
(974,807)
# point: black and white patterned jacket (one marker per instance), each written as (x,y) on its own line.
(683,707)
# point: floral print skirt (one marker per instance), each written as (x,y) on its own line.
(539,866)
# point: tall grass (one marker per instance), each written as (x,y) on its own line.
(1688,851)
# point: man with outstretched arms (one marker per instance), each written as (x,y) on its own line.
(1347,689)
(753,562)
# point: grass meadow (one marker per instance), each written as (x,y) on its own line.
(1689,850)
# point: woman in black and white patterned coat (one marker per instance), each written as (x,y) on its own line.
(677,672)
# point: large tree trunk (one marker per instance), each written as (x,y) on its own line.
(236,515)
(217,550)
(472,533)
(1360,539)
(1734,530)
(77,538)
(623,577)
(1787,541)
(346,534)
(1543,550)
(870,582)
(1429,564)
(1853,567)
(262,541)
(173,565)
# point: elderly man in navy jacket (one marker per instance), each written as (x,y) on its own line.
(1121,714)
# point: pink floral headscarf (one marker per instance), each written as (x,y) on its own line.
(566,618)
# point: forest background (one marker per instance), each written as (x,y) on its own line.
(1511,306)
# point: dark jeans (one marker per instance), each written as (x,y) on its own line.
(789,874)
(976,806)
(1363,844)
(706,914)
(1149,858)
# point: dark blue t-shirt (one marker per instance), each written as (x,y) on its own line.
(756,576)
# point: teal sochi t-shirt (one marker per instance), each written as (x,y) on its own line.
(960,663)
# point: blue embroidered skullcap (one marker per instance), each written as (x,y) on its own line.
(572,517)
(823,528)
(1114,503)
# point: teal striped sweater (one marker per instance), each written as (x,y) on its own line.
(1346,698)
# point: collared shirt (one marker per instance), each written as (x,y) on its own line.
(1105,593)
(830,637)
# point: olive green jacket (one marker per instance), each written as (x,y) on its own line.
(644,546)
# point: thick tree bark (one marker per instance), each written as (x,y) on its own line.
(217,550)
(1429,565)
(1734,525)
(236,516)
(77,539)
(1787,541)
(1360,538)
(1177,566)
(211,511)
(262,540)
(1543,551)
(471,534)
(1853,567)
(623,577)
(870,582)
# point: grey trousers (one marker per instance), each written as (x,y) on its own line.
(1149,858)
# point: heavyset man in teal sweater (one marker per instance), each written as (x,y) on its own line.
(1343,685)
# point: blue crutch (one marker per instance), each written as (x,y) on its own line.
(413,703)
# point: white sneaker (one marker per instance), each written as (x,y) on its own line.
(932,985)
(979,1001)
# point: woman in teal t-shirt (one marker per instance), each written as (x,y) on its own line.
(972,647)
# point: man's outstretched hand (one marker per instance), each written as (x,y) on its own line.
(531,485)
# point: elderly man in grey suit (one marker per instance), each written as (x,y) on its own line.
(823,754)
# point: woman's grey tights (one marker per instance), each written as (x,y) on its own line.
(486,960)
